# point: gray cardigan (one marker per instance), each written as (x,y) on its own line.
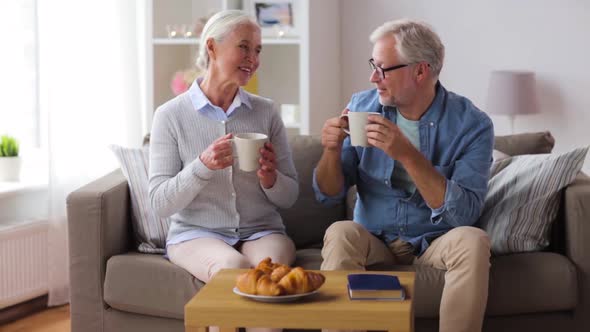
(227,201)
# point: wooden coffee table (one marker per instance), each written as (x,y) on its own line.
(216,305)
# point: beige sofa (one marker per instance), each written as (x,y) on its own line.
(115,288)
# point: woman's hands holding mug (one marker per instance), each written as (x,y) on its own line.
(267,174)
(219,154)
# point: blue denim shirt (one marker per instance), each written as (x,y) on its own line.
(458,140)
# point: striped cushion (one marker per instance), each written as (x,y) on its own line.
(150,230)
(499,155)
(523,199)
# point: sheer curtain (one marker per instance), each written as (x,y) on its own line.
(18,115)
(90,96)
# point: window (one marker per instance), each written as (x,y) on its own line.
(19,110)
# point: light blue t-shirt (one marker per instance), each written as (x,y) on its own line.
(399,177)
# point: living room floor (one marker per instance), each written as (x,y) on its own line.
(50,320)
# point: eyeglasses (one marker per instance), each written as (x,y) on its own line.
(381,71)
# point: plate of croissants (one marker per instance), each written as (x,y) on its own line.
(273,282)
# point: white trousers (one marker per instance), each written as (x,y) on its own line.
(204,257)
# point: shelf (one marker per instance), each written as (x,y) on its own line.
(297,68)
(195,41)
(175,41)
(280,41)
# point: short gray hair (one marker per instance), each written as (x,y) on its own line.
(416,42)
(217,27)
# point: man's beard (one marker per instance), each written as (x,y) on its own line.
(389,102)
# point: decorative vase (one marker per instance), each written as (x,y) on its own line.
(10,168)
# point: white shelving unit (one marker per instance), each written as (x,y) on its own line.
(302,70)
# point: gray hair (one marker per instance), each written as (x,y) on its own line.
(416,42)
(218,27)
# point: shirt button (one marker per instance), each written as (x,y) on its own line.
(432,124)
(386,181)
(223,122)
(233,194)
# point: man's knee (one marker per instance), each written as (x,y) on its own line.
(345,246)
(474,240)
(343,229)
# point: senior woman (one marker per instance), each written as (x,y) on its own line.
(222,217)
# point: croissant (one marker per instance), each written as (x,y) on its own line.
(275,270)
(279,272)
(256,282)
(273,279)
(298,281)
(246,282)
(266,265)
(266,286)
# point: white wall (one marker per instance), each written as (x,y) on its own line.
(325,58)
(548,37)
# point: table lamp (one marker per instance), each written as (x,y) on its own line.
(512,92)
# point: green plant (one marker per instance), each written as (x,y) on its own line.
(8,146)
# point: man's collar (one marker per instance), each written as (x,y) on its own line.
(436,107)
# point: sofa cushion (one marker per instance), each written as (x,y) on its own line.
(527,143)
(519,283)
(307,220)
(498,155)
(532,283)
(309,259)
(148,285)
(524,197)
(149,229)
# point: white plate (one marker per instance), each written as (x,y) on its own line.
(274,299)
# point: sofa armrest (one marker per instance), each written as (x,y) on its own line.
(577,235)
(98,228)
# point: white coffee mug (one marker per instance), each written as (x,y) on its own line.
(357,121)
(247,150)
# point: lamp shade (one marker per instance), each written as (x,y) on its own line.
(512,93)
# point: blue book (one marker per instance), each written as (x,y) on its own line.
(375,287)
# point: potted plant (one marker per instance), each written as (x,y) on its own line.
(9,159)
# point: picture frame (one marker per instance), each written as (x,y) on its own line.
(277,18)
